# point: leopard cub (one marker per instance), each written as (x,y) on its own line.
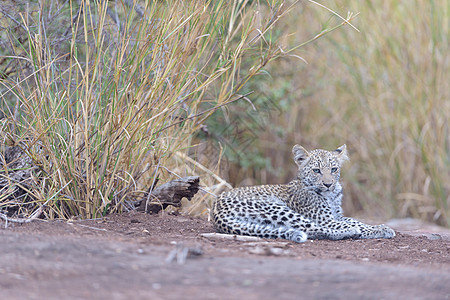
(307,207)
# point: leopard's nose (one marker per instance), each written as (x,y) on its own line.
(327,185)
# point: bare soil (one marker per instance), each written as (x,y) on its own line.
(141,256)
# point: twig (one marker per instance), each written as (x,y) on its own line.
(13,19)
(90,227)
(154,182)
(33,216)
(36,214)
(222,236)
(336,14)
(204,112)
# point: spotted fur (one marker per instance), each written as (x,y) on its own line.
(307,207)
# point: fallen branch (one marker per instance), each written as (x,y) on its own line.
(170,193)
(36,214)
(86,226)
(234,237)
(7,219)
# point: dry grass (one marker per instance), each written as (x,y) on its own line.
(398,73)
(100,94)
(383,91)
(102,97)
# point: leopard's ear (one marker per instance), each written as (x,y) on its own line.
(342,154)
(300,155)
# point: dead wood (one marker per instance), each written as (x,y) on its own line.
(235,237)
(170,193)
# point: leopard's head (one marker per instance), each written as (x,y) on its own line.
(319,170)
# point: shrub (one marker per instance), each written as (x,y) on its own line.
(100,94)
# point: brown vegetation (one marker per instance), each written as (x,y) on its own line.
(106,99)
(383,91)
(101,95)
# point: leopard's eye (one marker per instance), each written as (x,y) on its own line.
(334,170)
(317,171)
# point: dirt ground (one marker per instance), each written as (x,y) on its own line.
(141,256)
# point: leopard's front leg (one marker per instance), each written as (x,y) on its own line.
(333,229)
(371,231)
(367,231)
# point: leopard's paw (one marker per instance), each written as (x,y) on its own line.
(378,232)
(386,232)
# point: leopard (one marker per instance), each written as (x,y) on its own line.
(308,207)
